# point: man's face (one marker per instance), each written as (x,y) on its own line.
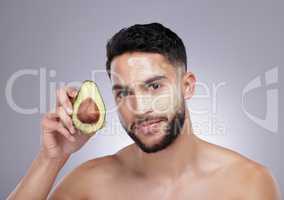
(147,91)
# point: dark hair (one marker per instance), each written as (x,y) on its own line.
(151,38)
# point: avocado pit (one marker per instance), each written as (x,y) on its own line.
(88,111)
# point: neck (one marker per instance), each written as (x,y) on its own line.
(173,160)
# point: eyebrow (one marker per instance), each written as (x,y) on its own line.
(147,81)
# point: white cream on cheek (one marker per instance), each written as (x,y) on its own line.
(166,102)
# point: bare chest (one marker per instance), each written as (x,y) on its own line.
(183,190)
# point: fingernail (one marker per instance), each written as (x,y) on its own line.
(74,93)
(69,110)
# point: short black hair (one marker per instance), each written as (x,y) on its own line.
(148,38)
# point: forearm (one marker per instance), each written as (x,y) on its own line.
(38,181)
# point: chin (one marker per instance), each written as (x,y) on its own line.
(153,143)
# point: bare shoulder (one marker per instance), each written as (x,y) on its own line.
(246,175)
(256,181)
(91,175)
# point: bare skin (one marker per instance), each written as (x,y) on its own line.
(189,168)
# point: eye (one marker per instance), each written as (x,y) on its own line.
(122,93)
(154,85)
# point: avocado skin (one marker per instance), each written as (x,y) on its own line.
(89,89)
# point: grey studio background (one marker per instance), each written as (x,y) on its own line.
(235,48)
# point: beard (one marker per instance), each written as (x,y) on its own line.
(172,131)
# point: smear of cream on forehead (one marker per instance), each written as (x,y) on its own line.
(139,61)
(143,67)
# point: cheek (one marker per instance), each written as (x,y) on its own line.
(166,102)
(125,114)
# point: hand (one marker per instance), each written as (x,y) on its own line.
(59,137)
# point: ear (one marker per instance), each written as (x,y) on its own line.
(188,83)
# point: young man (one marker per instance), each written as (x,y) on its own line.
(147,66)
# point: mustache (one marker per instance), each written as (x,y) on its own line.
(140,120)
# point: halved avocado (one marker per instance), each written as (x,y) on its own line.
(88,109)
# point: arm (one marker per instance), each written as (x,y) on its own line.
(39,179)
(59,139)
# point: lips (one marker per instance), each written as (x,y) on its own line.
(149,122)
(149,125)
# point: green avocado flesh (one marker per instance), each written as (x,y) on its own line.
(88,109)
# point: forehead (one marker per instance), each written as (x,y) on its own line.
(131,68)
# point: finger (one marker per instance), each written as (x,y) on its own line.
(61,129)
(48,118)
(53,127)
(52,116)
(71,92)
(66,119)
(63,100)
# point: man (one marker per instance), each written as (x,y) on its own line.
(147,65)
